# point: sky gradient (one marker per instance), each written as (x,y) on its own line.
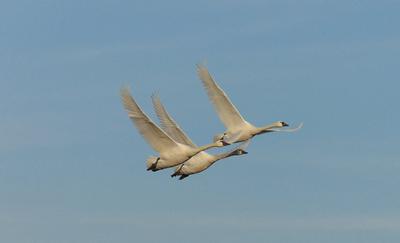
(72,166)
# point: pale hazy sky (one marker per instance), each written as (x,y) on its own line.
(72,166)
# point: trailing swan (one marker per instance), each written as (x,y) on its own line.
(200,161)
(238,129)
(171,152)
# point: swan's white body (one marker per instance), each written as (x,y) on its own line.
(203,161)
(171,152)
(238,129)
(200,161)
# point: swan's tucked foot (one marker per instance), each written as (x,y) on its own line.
(178,171)
(152,162)
(175,174)
(183,177)
(153,167)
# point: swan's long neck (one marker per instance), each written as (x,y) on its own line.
(224,155)
(266,128)
(205,147)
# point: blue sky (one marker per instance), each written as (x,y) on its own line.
(72,165)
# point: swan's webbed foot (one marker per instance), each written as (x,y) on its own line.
(183,177)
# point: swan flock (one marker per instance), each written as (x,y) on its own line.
(176,149)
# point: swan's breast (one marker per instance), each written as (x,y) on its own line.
(197,163)
(179,152)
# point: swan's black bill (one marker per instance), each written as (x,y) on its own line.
(284,124)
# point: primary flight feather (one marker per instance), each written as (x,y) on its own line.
(237,128)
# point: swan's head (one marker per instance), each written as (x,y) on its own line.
(221,142)
(238,152)
(281,124)
(218,137)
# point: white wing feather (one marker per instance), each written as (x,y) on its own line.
(168,124)
(156,138)
(226,111)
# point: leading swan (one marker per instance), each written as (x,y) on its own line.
(238,129)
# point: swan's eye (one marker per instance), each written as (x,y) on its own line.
(284,124)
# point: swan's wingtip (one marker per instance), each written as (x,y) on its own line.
(125,89)
(202,64)
(155,95)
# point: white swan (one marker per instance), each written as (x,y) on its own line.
(200,161)
(238,129)
(172,153)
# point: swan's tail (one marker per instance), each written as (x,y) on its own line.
(151,163)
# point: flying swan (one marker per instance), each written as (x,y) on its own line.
(238,129)
(200,161)
(171,152)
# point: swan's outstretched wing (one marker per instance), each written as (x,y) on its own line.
(168,124)
(227,112)
(157,138)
